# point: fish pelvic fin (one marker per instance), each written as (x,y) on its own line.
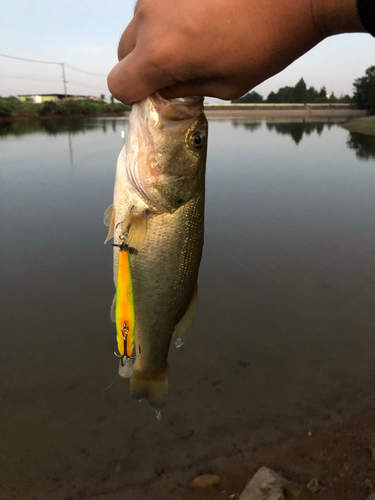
(112,313)
(109,220)
(125,369)
(137,230)
(155,390)
(183,327)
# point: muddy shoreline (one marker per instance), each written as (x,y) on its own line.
(284,113)
(337,456)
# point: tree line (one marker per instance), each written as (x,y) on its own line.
(363,96)
(11,106)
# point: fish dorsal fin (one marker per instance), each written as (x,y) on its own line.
(184,325)
(137,230)
(109,220)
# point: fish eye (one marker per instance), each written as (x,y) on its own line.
(197,140)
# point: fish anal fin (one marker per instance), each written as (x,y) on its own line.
(109,220)
(184,325)
(137,230)
(154,390)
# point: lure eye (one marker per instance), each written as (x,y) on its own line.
(197,140)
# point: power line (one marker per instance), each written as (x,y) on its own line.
(88,86)
(51,62)
(47,80)
(63,65)
(42,62)
(29,78)
(30,60)
(84,71)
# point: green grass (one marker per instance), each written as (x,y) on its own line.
(362,125)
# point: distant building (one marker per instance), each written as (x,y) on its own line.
(38,98)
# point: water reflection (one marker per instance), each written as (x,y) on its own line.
(252,126)
(296,129)
(363,144)
(54,127)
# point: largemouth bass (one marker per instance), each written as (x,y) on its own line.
(157,223)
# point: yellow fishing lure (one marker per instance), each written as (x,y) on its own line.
(125,317)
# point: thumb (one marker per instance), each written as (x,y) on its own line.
(135,78)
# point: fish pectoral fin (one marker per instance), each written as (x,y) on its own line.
(112,313)
(184,325)
(137,230)
(109,220)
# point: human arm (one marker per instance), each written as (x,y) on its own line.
(220,48)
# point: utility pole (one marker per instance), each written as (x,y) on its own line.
(64,80)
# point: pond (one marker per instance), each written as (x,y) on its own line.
(283,341)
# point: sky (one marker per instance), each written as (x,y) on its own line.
(84,35)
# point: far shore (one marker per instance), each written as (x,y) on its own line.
(238,111)
(282,111)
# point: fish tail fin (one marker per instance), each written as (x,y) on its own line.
(154,390)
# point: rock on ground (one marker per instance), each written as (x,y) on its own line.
(205,481)
(265,485)
(313,485)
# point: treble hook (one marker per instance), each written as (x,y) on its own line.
(125,357)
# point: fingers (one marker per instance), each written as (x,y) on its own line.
(134,78)
(211,88)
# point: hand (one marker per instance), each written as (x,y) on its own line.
(219,48)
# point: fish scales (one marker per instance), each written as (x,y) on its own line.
(161,297)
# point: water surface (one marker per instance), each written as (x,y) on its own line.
(284,336)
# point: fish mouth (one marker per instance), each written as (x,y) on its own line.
(178,109)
